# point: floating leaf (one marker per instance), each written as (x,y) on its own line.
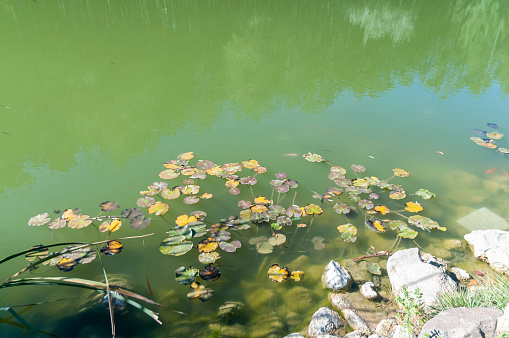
(145,202)
(159,208)
(277,273)
(503,151)
(67,264)
(264,248)
(261,200)
(292,184)
(248,180)
(244,204)
(277,239)
(112,248)
(109,206)
(209,257)
(184,219)
(382,209)
(188,171)
(297,275)
(186,276)
(57,223)
(190,189)
(206,196)
(397,194)
(313,157)
(302,225)
(373,196)
(169,247)
(200,292)
(170,194)
(408,233)
(366,204)
(234,191)
(373,268)
(424,223)
(259,208)
(338,169)
(341,208)
(168,174)
(185,156)
(231,168)
(36,252)
(480,132)
(358,168)
(221,236)
(318,243)
(230,247)
(231,184)
(251,164)
(207,245)
(400,172)
(131,213)
(110,225)
(38,220)
(70,214)
(495,136)
(140,222)
(376,225)
(313,209)
(492,125)
(211,273)
(79,222)
(294,211)
(413,207)
(397,225)
(426,194)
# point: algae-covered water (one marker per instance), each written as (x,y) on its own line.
(96,95)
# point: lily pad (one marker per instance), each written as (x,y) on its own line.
(207,245)
(358,168)
(38,220)
(277,273)
(277,239)
(408,233)
(297,275)
(230,247)
(234,191)
(373,268)
(348,232)
(168,174)
(67,264)
(159,208)
(495,136)
(312,209)
(400,172)
(145,202)
(208,257)
(256,240)
(191,200)
(366,204)
(264,248)
(131,213)
(318,243)
(57,223)
(37,252)
(79,222)
(169,247)
(413,207)
(397,194)
(210,273)
(376,225)
(426,194)
(110,225)
(424,223)
(313,157)
(112,248)
(186,276)
(341,208)
(200,292)
(140,222)
(221,236)
(109,206)
(382,209)
(170,194)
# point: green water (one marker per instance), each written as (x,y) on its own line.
(96,95)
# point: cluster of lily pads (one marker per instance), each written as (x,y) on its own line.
(487,139)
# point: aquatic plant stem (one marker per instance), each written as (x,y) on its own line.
(294,196)
(146,269)
(108,294)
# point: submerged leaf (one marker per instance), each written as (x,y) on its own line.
(140,222)
(318,243)
(277,239)
(200,292)
(131,213)
(373,268)
(264,248)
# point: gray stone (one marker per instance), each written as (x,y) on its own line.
(406,267)
(491,246)
(294,335)
(355,334)
(340,302)
(464,322)
(483,219)
(386,328)
(503,321)
(325,322)
(461,274)
(402,332)
(336,277)
(367,290)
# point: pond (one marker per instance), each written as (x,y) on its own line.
(97,95)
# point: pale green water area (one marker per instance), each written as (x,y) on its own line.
(96,95)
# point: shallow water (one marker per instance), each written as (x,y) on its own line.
(95,96)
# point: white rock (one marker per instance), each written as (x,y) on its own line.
(491,246)
(336,277)
(386,328)
(340,302)
(503,321)
(325,322)
(367,290)
(402,332)
(355,334)
(460,274)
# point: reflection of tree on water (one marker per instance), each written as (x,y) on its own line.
(149,70)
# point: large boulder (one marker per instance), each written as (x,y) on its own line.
(491,246)
(336,277)
(463,322)
(406,267)
(325,322)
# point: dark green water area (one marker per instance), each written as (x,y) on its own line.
(96,95)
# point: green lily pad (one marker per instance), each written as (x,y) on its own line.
(424,223)
(264,248)
(373,268)
(408,233)
(209,257)
(426,194)
(277,239)
(341,208)
(348,232)
(172,246)
(313,157)
(186,276)
(397,225)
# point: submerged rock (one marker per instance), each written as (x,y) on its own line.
(325,322)
(491,246)
(368,291)
(464,322)
(336,277)
(340,302)
(300,299)
(406,267)
(270,326)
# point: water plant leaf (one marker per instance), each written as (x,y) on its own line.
(188,171)
(492,125)
(313,157)
(408,233)
(373,268)
(413,207)
(366,204)
(210,273)
(145,202)
(400,172)
(338,169)
(294,211)
(231,184)
(318,243)
(131,213)
(249,180)
(234,191)
(424,223)
(57,223)
(297,275)
(503,151)
(112,248)
(169,174)
(67,264)
(184,219)
(426,194)
(277,273)
(206,196)
(140,222)
(169,247)
(79,222)
(221,236)
(159,208)
(382,209)
(256,240)
(358,168)
(230,247)
(292,184)
(312,209)
(190,189)
(495,136)
(109,206)
(244,204)
(186,276)
(38,251)
(170,194)
(186,231)
(260,170)
(38,220)
(479,132)
(277,239)
(197,291)
(207,245)
(348,232)
(185,156)
(261,200)
(397,224)
(341,208)
(397,194)
(209,257)
(264,248)
(376,225)
(259,208)
(110,225)
(231,168)
(251,164)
